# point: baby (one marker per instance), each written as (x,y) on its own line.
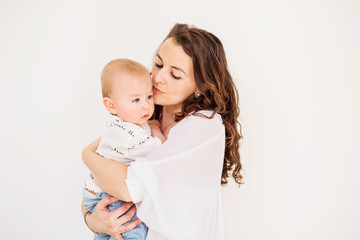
(128,96)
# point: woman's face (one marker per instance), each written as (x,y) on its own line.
(173,75)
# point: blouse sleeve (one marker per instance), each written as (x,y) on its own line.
(175,187)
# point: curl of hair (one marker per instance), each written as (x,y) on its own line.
(217,88)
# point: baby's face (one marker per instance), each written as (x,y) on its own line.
(133,98)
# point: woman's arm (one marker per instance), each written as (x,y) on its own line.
(109,175)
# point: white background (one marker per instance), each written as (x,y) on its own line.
(296,65)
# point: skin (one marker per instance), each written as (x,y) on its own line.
(173,82)
(131,98)
(114,224)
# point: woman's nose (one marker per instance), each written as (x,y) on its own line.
(158,77)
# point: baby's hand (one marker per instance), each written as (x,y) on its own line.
(154,123)
(156,130)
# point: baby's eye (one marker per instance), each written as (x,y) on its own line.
(150,97)
(136,100)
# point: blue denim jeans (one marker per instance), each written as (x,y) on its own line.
(90,201)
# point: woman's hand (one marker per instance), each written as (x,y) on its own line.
(104,221)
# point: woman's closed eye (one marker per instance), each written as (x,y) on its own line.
(158,65)
(174,76)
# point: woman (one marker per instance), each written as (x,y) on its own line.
(176,188)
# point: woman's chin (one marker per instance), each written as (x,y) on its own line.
(158,100)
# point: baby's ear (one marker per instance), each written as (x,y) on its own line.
(109,104)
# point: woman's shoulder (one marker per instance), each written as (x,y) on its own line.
(199,125)
(202,119)
(205,115)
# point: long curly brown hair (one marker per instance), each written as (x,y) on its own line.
(218,91)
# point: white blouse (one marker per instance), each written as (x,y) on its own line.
(176,187)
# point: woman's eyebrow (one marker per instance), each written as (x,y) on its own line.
(159,56)
(177,68)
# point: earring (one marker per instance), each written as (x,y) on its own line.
(197,95)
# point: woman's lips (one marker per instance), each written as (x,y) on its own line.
(157,90)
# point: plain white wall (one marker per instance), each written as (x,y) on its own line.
(296,65)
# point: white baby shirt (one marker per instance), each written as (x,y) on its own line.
(123,142)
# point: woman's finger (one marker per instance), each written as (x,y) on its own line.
(100,220)
(127,216)
(115,221)
(130,226)
(121,210)
(102,204)
(118,237)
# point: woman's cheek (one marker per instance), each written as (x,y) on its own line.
(159,100)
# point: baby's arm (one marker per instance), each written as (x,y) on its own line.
(156,131)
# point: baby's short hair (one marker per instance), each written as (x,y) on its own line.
(118,67)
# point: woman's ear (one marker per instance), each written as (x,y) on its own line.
(197,91)
(109,105)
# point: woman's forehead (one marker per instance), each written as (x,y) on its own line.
(174,55)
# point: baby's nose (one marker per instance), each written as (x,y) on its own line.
(146,105)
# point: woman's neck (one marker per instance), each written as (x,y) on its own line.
(168,121)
